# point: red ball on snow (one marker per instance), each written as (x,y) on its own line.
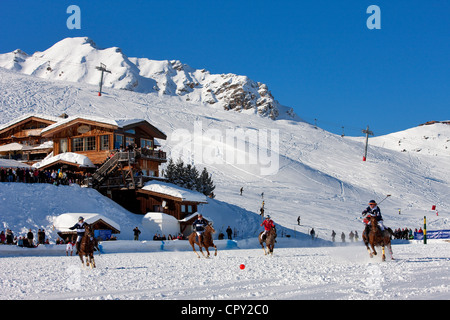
(242,266)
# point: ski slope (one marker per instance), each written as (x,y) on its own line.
(320,176)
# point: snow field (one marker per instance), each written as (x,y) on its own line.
(419,272)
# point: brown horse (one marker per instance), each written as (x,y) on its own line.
(269,241)
(378,238)
(87,245)
(207,241)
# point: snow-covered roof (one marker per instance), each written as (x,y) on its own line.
(14,146)
(44,145)
(9,163)
(158,222)
(120,123)
(65,221)
(30,115)
(75,158)
(174,191)
(160,216)
(72,118)
(195,214)
(126,122)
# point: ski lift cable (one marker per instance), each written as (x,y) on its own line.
(54,62)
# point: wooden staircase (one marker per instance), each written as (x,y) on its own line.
(122,161)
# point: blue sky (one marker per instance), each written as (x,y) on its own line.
(316,56)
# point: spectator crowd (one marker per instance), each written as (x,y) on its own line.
(28,240)
(26,175)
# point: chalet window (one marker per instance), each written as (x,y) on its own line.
(104,142)
(63,145)
(83,144)
(90,143)
(188,207)
(128,141)
(77,144)
(119,141)
(132,131)
(146,143)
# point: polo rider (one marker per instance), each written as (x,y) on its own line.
(268,225)
(80,227)
(199,226)
(372,211)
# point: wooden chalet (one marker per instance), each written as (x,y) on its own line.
(170,199)
(21,138)
(122,149)
(157,196)
(123,153)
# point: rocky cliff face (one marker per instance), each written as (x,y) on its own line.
(76,59)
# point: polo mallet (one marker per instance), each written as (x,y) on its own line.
(387,196)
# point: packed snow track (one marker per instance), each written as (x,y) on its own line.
(335,272)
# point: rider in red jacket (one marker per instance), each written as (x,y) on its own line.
(268,225)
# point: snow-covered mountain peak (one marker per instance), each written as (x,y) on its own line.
(76,59)
(432,138)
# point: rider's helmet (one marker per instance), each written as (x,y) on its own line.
(268,217)
(80,218)
(372,202)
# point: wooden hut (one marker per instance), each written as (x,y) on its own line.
(102,226)
(158,196)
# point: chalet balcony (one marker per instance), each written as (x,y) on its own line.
(158,155)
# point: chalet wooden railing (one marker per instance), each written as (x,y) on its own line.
(153,154)
(103,176)
(110,166)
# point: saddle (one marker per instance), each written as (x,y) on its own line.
(197,239)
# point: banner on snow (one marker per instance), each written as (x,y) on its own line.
(435,234)
(103,234)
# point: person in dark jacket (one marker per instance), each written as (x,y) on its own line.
(372,211)
(80,227)
(199,226)
(30,237)
(136,232)
(312,233)
(229,232)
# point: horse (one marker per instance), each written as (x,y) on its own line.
(270,241)
(87,245)
(207,241)
(378,238)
